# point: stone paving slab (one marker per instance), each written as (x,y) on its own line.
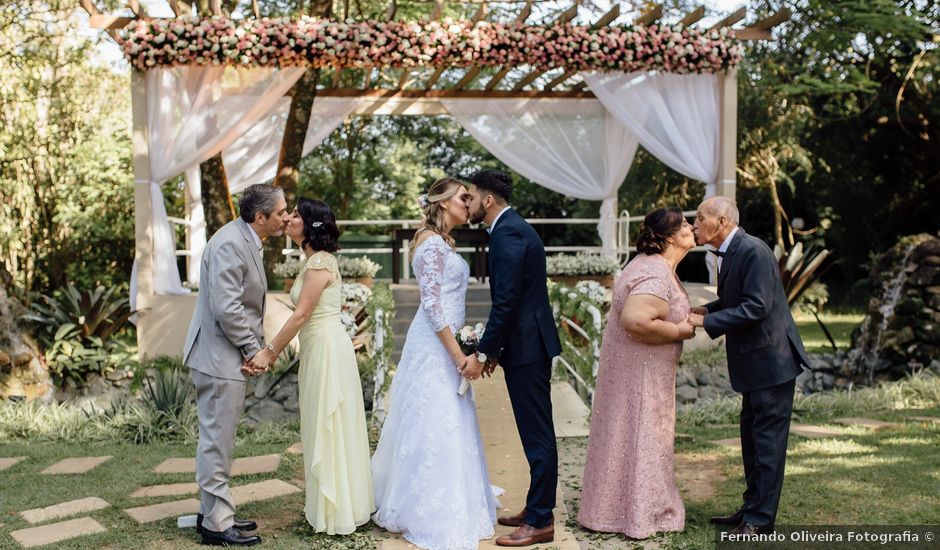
(569,413)
(240,466)
(296,449)
(63,509)
(57,532)
(156,512)
(262,490)
(813,432)
(917,418)
(78,465)
(9,461)
(731,442)
(867,422)
(170,489)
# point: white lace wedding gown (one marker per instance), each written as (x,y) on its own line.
(429,471)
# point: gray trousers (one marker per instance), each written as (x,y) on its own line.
(219,403)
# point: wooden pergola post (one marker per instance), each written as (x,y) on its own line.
(143,209)
(727,134)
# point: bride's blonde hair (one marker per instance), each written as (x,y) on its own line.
(433,213)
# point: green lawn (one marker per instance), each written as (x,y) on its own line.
(840,325)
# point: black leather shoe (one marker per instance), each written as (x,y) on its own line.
(240,524)
(229,537)
(734,519)
(751,529)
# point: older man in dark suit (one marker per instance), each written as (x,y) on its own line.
(765,354)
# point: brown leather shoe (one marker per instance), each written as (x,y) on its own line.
(512,521)
(526,535)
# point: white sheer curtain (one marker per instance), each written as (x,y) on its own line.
(571,146)
(253,157)
(192,114)
(674,116)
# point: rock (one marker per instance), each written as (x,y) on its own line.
(4,358)
(686,394)
(685,378)
(905,336)
(291,404)
(21,359)
(262,385)
(270,411)
(709,392)
(117,375)
(931,260)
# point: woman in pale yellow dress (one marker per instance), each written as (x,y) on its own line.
(332,415)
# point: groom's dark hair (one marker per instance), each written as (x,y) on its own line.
(495,182)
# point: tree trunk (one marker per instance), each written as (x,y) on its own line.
(216,199)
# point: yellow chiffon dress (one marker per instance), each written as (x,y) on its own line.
(333,432)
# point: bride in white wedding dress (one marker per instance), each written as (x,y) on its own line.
(429,470)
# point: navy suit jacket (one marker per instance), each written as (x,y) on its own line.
(521,327)
(764,348)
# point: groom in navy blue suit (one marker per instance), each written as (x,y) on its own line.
(520,335)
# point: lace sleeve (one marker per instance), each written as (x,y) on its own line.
(429,269)
(323,260)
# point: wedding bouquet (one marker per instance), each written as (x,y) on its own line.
(468,338)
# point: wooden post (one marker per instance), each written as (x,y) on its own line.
(143,209)
(727,133)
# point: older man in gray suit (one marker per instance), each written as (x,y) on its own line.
(225,333)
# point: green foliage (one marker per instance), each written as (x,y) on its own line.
(381,299)
(77,330)
(66,190)
(575,305)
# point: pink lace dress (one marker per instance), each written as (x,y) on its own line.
(629,482)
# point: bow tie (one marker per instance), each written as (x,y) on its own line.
(718,253)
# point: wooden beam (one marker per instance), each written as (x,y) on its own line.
(138,10)
(109,22)
(750,33)
(438,9)
(566,16)
(255,10)
(475,69)
(738,15)
(174,6)
(650,16)
(605,20)
(479,15)
(215,6)
(693,16)
(432,94)
(390,12)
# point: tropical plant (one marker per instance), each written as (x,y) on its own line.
(800,271)
(77,330)
(99,313)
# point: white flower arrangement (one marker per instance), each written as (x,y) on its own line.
(469,337)
(349,322)
(355,294)
(595,291)
(581,264)
(355,268)
(290,267)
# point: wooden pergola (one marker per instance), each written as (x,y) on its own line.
(418,91)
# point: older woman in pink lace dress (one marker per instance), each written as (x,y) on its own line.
(629,483)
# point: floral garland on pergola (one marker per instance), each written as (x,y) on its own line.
(311,42)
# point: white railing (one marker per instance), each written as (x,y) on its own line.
(622,248)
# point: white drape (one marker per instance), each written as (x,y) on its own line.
(192,114)
(253,157)
(571,146)
(674,116)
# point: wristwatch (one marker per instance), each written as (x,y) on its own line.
(270,347)
(481,357)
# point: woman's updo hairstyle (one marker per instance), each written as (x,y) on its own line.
(433,213)
(658,226)
(320,231)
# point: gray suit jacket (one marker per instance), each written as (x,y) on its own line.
(227,325)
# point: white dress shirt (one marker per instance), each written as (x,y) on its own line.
(496,219)
(724,246)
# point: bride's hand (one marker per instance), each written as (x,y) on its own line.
(461,362)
